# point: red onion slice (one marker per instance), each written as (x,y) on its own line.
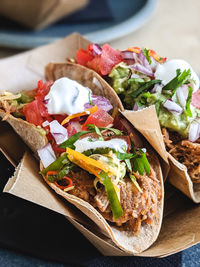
(185,90)
(101,102)
(157,89)
(154,64)
(46,155)
(96,50)
(144,61)
(194,131)
(58,132)
(45,124)
(138,67)
(135,107)
(127,54)
(45,101)
(173,107)
(181,95)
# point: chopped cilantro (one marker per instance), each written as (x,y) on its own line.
(180,79)
(144,87)
(98,132)
(90,100)
(146,53)
(139,161)
(115,131)
(189,98)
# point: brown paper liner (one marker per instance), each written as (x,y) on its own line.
(38,14)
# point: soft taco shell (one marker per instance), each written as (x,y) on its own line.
(84,76)
(179,177)
(124,239)
(30,133)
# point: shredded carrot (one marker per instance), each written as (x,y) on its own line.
(156,56)
(134,49)
(91,165)
(86,112)
(51,173)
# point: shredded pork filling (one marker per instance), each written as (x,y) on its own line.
(185,151)
(138,208)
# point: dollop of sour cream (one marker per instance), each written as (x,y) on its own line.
(84,144)
(167,71)
(67,96)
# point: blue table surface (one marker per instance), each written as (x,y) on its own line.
(189,257)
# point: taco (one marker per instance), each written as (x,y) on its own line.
(142,78)
(98,163)
(114,177)
(27,110)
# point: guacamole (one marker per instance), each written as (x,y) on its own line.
(139,90)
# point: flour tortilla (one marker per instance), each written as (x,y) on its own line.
(124,239)
(84,76)
(179,177)
(30,133)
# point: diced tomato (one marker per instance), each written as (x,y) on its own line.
(196,99)
(73,127)
(59,117)
(109,58)
(36,112)
(83,56)
(90,48)
(32,113)
(103,63)
(95,64)
(100,118)
(49,135)
(55,147)
(43,89)
(58,150)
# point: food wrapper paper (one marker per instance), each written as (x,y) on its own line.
(181,217)
(37,14)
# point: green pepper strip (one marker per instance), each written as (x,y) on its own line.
(112,196)
(70,141)
(56,165)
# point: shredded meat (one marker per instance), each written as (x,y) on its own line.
(102,200)
(137,207)
(83,185)
(185,151)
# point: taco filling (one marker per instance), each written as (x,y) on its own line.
(142,78)
(104,167)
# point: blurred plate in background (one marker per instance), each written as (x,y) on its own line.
(101,21)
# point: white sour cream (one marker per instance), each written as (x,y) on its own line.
(67,97)
(84,144)
(167,71)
